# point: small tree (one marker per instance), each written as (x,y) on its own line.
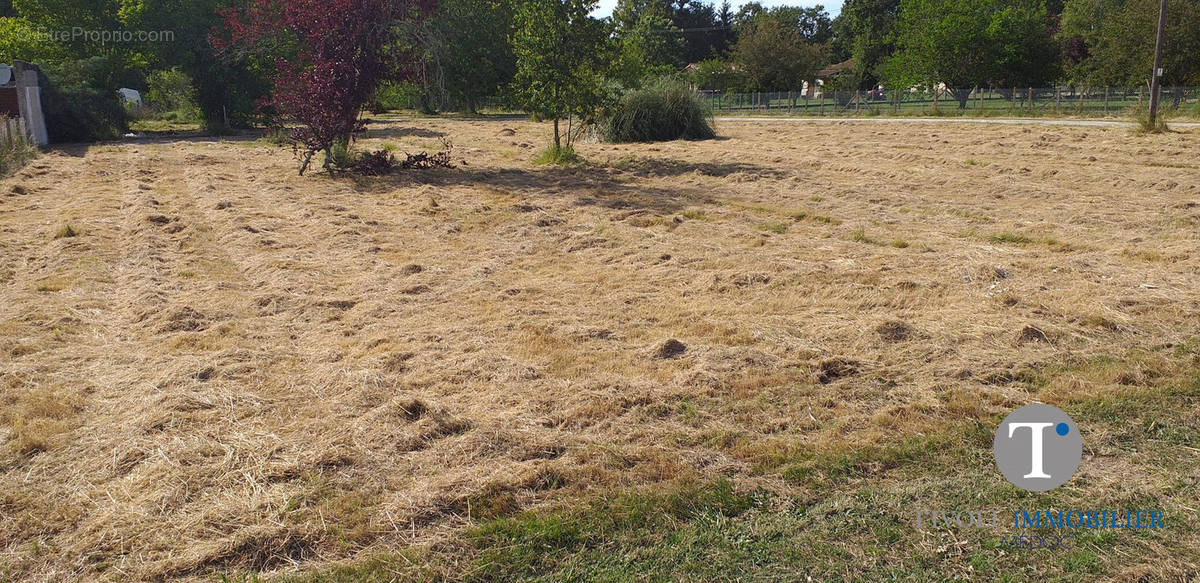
(558,48)
(329,56)
(773,54)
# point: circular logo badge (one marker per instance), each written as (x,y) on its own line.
(1038,447)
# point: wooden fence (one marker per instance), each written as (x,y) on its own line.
(13,133)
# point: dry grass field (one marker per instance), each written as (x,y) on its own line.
(746,358)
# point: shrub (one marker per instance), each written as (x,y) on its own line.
(663,110)
(79,103)
(393,96)
(170,93)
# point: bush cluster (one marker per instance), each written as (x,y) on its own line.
(663,110)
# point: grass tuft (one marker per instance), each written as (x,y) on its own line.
(666,109)
(66,232)
(555,156)
(772,227)
(1141,119)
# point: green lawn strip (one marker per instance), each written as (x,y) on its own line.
(848,515)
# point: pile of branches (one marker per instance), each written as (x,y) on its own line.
(382,162)
(422,160)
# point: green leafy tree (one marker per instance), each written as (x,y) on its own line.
(20,40)
(652,47)
(226,89)
(774,54)
(969,43)
(706,28)
(1111,42)
(864,33)
(467,50)
(715,74)
(559,49)
(812,23)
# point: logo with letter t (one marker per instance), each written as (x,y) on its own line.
(1038,447)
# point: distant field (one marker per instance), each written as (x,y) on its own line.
(746,358)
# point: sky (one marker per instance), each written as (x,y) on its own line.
(605,7)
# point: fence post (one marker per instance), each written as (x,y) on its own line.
(1106,101)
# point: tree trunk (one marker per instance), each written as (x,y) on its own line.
(557,138)
(307,158)
(962,95)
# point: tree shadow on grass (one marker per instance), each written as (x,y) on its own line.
(386,132)
(585,185)
(655,167)
(154,138)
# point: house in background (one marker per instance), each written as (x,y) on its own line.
(817,90)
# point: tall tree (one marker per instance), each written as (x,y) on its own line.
(970,43)
(864,33)
(707,29)
(467,49)
(225,89)
(774,54)
(559,50)
(652,47)
(1111,42)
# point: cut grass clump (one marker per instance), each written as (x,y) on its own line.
(37,418)
(556,156)
(860,235)
(807,216)
(1010,237)
(664,110)
(770,227)
(1013,238)
(66,232)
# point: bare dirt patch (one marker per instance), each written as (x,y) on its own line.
(232,367)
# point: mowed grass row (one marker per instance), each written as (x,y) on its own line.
(847,513)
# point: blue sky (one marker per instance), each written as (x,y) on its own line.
(605,7)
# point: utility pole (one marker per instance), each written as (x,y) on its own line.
(1156,76)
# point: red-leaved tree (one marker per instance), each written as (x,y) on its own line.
(329,56)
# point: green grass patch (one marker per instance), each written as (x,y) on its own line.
(558,156)
(844,513)
(1010,238)
(860,235)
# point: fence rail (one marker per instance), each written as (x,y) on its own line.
(1026,101)
(12,133)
